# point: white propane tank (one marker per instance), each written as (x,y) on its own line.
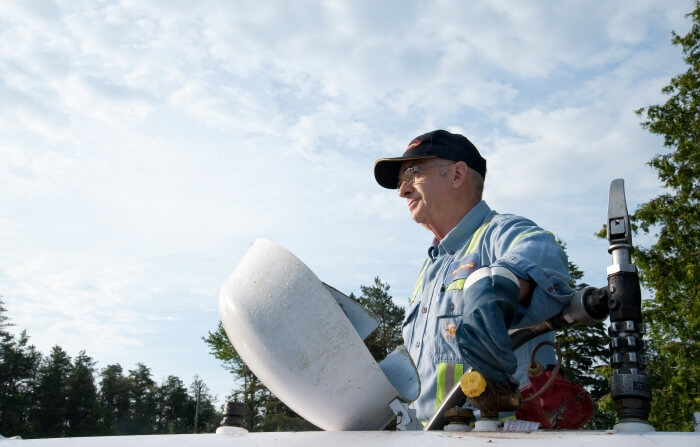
(293,334)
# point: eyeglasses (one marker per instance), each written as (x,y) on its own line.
(409,175)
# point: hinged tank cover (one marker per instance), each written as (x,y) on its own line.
(291,332)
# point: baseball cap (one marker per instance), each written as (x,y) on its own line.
(435,144)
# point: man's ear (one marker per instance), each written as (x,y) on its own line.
(460,174)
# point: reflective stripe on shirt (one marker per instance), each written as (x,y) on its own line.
(517,239)
(476,238)
(448,374)
(420,281)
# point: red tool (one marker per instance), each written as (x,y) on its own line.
(551,400)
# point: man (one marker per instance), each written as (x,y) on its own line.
(485,273)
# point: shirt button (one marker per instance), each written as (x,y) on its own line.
(425,309)
(417,344)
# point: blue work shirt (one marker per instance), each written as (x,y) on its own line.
(482,238)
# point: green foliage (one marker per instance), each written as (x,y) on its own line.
(4,319)
(142,397)
(56,397)
(114,400)
(53,393)
(173,412)
(19,362)
(81,405)
(670,267)
(251,392)
(585,355)
(387,336)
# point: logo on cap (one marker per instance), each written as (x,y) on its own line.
(413,144)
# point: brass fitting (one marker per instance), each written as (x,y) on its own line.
(473,384)
(487,396)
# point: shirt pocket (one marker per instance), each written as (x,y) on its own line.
(447,324)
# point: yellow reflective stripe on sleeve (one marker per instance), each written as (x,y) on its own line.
(457,284)
(476,238)
(521,236)
(448,374)
(420,281)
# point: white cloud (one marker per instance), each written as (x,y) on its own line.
(72,303)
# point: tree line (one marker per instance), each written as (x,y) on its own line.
(55,395)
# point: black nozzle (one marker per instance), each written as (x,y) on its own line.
(630,386)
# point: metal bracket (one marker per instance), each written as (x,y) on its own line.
(405,417)
(618,224)
(619,229)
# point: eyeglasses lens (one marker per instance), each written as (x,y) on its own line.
(408,176)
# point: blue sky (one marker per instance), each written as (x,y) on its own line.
(145,145)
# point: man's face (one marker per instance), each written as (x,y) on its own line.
(424,194)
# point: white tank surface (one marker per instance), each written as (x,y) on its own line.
(380,439)
(295,336)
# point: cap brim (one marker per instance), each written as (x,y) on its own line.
(386,170)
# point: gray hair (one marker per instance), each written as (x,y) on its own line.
(477,180)
(477,183)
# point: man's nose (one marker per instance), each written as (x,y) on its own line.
(404,189)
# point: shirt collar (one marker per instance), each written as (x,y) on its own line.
(458,236)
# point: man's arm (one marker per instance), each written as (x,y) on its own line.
(540,264)
(526,288)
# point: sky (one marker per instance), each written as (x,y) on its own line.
(144,145)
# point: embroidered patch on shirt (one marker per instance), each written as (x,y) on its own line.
(450,331)
(462,268)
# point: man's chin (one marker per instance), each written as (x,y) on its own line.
(417,217)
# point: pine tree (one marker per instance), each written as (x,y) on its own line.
(671,266)
(175,407)
(53,393)
(82,407)
(114,400)
(142,401)
(387,336)
(19,363)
